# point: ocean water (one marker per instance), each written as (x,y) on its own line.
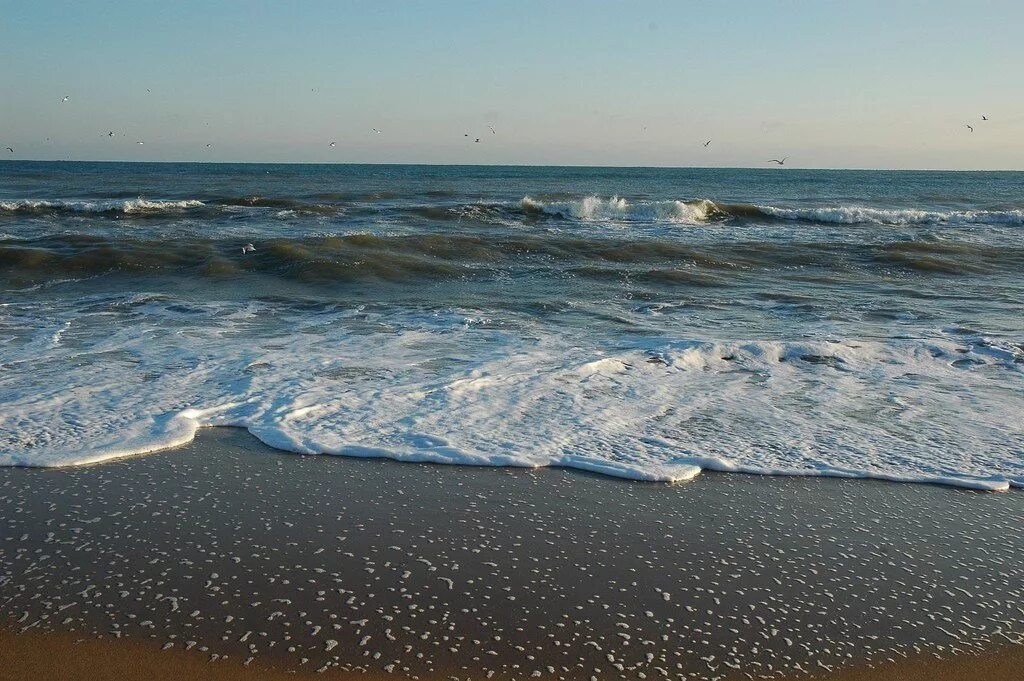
(643,323)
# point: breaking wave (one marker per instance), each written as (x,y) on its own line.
(589,209)
(701,211)
(112,206)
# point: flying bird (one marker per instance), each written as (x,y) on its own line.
(969,127)
(984,117)
(477,140)
(707,143)
(781,161)
(248,248)
(332,144)
(140,142)
(110,134)
(66,98)
(10,149)
(375,130)
(209,146)
(492,130)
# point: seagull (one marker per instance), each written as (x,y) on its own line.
(984,117)
(477,140)
(969,127)
(209,146)
(707,143)
(140,142)
(781,161)
(492,130)
(10,149)
(248,248)
(375,130)
(332,144)
(148,90)
(66,98)
(110,134)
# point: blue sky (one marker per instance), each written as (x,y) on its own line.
(867,84)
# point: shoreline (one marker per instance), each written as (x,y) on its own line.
(309,562)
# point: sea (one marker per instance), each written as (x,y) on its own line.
(635,322)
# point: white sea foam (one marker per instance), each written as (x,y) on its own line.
(908,216)
(448,388)
(595,208)
(138,205)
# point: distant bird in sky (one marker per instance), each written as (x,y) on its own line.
(780,161)
(984,117)
(970,127)
(707,143)
(140,142)
(248,248)
(332,145)
(477,140)
(66,98)
(375,130)
(208,146)
(10,149)
(492,130)
(110,134)
(148,90)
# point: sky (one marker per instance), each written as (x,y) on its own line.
(827,84)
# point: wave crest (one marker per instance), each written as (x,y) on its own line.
(909,216)
(616,208)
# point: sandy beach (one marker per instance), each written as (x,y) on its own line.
(228,556)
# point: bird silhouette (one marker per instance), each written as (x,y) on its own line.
(969,127)
(781,161)
(707,143)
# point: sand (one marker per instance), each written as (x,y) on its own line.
(367,567)
(60,656)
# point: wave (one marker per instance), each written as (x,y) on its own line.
(595,208)
(860,214)
(141,207)
(587,209)
(445,388)
(703,211)
(110,206)
(429,256)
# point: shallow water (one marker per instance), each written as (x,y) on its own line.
(646,323)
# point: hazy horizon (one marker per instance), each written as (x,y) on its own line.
(830,87)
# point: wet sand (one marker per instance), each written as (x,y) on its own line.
(62,656)
(344,566)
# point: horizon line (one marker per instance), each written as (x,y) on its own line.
(517,165)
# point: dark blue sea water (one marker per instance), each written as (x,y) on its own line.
(646,323)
